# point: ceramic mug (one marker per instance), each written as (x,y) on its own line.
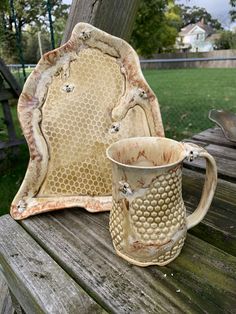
(148,222)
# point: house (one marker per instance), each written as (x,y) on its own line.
(195,38)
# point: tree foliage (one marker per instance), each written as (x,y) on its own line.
(31,51)
(233,11)
(227,40)
(155,26)
(192,15)
(7,37)
(30,18)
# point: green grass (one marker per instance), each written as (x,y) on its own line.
(19,75)
(12,171)
(12,168)
(185,97)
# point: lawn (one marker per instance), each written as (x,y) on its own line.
(185,97)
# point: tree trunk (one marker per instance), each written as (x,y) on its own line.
(115,17)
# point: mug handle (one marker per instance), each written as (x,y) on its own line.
(193,151)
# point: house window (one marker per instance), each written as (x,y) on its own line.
(198,36)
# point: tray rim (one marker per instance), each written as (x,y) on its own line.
(26,202)
(225,131)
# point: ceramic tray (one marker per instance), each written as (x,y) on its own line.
(79,99)
(226,120)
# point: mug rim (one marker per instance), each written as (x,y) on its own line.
(180,144)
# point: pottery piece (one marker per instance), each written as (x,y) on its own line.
(226,120)
(148,222)
(79,99)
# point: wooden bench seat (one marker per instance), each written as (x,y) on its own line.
(219,225)
(36,280)
(197,281)
(64,262)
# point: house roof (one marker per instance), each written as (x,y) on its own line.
(187,29)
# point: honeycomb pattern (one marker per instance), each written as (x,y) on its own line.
(116,225)
(161,212)
(155,217)
(76,125)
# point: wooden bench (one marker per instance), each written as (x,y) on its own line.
(9,89)
(64,262)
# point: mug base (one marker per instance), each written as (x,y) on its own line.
(145,264)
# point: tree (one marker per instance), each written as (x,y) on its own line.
(57,17)
(192,15)
(29,17)
(233,11)
(115,17)
(7,37)
(227,40)
(155,26)
(60,17)
(31,47)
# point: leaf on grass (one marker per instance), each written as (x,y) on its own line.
(183,116)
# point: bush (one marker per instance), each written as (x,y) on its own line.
(227,40)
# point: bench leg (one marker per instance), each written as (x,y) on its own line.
(16,305)
(6,306)
(8,302)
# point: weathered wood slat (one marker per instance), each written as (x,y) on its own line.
(219,225)
(17,142)
(219,151)
(8,120)
(199,143)
(226,168)
(225,156)
(6,94)
(201,280)
(5,299)
(38,283)
(10,79)
(214,136)
(16,305)
(216,150)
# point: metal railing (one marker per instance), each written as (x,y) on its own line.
(28,65)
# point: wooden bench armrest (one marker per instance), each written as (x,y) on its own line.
(36,280)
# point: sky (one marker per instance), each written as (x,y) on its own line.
(219,9)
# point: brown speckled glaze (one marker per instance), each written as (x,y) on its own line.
(148,222)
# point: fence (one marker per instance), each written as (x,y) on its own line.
(211,59)
(188,63)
